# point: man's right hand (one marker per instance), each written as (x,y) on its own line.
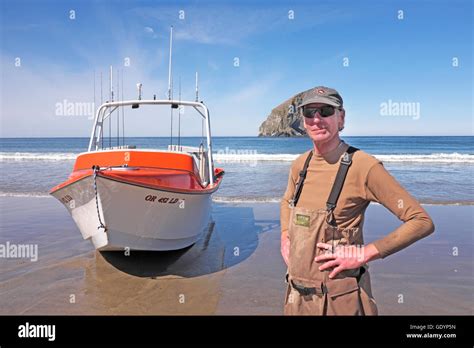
(285,248)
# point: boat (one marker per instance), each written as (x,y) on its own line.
(129,198)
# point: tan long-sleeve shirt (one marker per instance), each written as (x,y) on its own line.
(367,181)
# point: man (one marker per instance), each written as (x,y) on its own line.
(322,216)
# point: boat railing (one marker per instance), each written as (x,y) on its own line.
(105,111)
(182,148)
(201,160)
(120,147)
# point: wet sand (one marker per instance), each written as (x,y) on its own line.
(235,267)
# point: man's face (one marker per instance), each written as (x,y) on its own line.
(322,129)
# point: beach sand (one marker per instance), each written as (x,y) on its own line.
(235,268)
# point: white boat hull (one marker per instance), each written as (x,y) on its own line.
(135,217)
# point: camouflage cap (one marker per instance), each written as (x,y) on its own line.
(322,95)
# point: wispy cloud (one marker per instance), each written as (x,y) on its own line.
(22,27)
(230,25)
(213,65)
(28,105)
(241,110)
(278,55)
(150,32)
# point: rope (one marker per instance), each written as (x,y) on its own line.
(96,170)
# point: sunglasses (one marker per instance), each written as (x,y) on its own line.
(323,111)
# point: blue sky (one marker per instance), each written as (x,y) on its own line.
(402,60)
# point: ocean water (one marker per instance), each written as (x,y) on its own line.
(435,170)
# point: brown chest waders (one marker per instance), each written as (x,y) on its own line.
(311,291)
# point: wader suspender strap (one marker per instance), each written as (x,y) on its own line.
(299,184)
(346,162)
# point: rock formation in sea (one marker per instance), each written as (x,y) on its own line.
(285,120)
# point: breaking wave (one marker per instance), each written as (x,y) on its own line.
(254,157)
